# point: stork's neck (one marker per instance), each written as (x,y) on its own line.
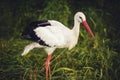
(76,28)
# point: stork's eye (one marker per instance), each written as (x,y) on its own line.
(81,18)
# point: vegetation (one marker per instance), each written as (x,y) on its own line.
(89,60)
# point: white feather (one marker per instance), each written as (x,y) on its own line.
(54,35)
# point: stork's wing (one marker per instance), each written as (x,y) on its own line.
(47,33)
(29,30)
(30,34)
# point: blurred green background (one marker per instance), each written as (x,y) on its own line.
(89,60)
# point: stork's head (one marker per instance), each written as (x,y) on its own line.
(80,17)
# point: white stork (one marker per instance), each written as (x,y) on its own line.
(51,34)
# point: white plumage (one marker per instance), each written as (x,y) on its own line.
(52,34)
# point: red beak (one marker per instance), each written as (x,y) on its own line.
(85,24)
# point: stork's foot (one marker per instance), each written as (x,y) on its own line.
(48,66)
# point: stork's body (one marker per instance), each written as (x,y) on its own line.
(51,34)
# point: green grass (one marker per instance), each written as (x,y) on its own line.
(89,60)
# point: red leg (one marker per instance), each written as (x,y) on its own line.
(48,65)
